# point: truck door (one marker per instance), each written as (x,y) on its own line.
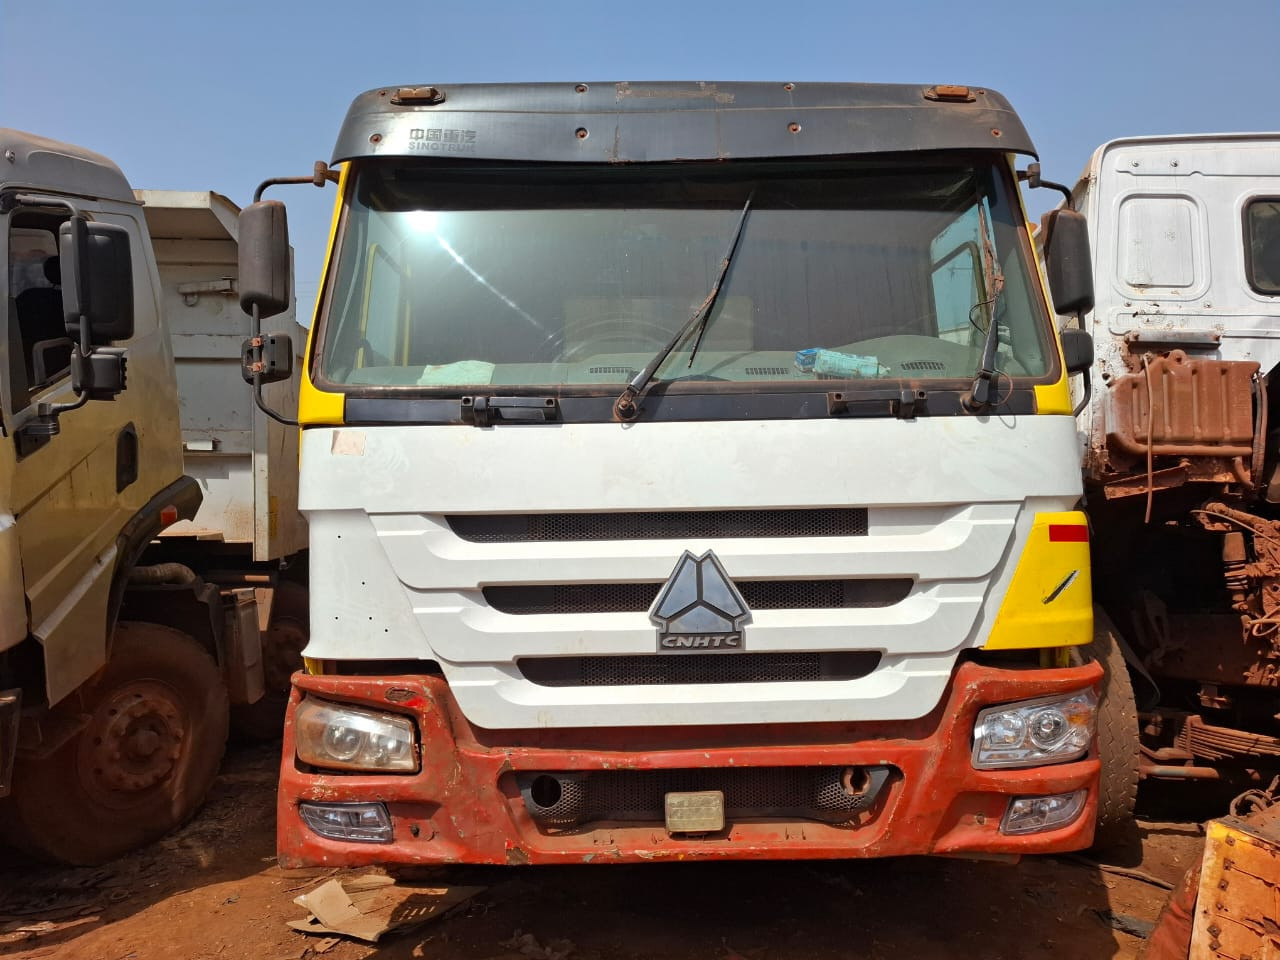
(63,491)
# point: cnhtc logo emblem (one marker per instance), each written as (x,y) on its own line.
(699,609)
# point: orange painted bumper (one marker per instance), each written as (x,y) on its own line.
(464,806)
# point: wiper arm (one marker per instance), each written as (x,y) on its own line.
(625,407)
(985,380)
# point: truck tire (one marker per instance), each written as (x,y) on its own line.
(1118,747)
(281,656)
(143,764)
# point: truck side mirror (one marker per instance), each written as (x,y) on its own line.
(264,259)
(97,275)
(1077,350)
(1067,261)
(270,358)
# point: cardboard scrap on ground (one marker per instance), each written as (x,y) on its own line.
(368,907)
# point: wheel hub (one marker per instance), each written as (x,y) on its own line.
(136,740)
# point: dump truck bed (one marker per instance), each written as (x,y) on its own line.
(246,464)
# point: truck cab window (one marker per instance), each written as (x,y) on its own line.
(39,346)
(1262,245)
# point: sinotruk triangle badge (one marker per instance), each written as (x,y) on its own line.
(699,608)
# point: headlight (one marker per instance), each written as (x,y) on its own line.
(1048,730)
(351,738)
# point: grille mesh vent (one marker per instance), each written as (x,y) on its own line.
(667,525)
(659,669)
(923,365)
(830,794)
(639,597)
(767,372)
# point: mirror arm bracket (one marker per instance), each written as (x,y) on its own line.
(320,175)
(1032,177)
(261,404)
(1088,393)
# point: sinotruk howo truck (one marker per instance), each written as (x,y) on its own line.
(690,472)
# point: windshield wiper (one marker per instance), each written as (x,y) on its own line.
(985,380)
(626,407)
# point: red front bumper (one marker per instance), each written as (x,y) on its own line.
(464,806)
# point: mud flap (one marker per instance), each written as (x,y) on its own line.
(10,715)
(242,657)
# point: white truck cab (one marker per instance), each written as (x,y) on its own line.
(1181,451)
(690,472)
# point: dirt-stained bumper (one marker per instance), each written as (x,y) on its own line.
(466,805)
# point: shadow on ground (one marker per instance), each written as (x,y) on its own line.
(212,890)
(921,908)
(233,836)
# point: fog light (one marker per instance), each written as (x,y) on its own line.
(360,822)
(1037,814)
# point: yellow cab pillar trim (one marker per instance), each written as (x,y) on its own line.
(318,407)
(1051,398)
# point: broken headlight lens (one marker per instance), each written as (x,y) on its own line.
(1047,730)
(339,737)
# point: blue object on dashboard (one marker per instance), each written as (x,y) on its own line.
(832,363)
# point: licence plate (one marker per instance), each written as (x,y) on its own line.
(700,812)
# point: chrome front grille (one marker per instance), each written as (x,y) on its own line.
(639,597)
(664,525)
(656,669)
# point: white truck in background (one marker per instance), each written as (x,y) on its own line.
(123,657)
(1181,447)
(248,531)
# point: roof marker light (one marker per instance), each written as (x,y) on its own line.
(417,96)
(949,93)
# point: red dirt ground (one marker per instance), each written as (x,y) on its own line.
(212,890)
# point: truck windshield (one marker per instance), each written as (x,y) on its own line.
(455,277)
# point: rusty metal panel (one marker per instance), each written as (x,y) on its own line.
(1210,648)
(466,803)
(1238,907)
(1184,407)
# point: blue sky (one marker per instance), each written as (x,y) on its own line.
(217,96)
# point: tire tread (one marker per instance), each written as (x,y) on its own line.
(1118,745)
